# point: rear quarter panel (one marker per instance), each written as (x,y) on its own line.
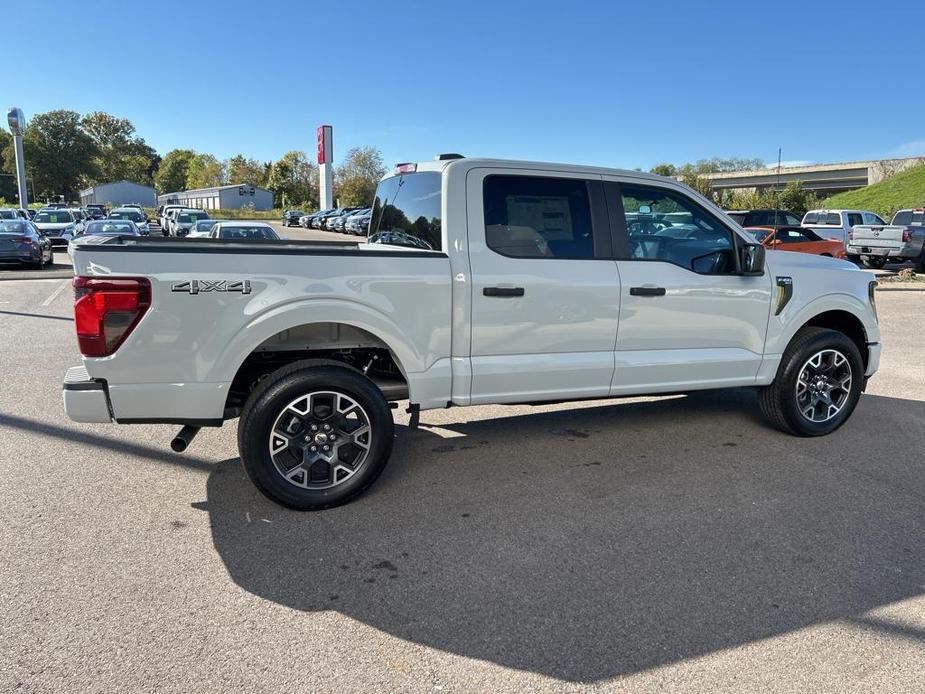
(196,343)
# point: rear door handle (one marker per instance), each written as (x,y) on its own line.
(647,291)
(503,291)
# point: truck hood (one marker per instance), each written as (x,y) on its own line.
(784,262)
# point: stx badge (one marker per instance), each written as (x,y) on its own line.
(205,286)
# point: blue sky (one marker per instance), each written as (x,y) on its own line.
(607,83)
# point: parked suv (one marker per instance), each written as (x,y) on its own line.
(764,218)
(291,217)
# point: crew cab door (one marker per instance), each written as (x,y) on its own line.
(545,296)
(687,320)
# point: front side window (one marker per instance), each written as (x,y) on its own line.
(664,225)
(854,218)
(407,211)
(538,217)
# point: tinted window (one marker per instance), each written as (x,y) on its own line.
(53,217)
(406,211)
(792,236)
(14,227)
(790,220)
(854,219)
(665,225)
(7,214)
(738,217)
(127,214)
(537,217)
(907,217)
(109,227)
(246,232)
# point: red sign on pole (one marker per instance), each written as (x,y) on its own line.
(325,135)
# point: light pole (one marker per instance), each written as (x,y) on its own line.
(17,123)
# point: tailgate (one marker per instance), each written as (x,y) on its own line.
(888,237)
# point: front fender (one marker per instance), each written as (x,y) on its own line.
(782,328)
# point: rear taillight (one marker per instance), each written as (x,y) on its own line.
(851,234)
(107,310)
(907,235)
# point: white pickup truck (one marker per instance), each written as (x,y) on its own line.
(482,281)
(903,239)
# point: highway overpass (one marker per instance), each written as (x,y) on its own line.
(823,178)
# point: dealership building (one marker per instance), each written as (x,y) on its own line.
(118,193)
(230,197)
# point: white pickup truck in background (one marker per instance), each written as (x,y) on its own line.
(837,224)
(482,281)
(901,240)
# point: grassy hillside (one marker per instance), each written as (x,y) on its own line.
(905,189)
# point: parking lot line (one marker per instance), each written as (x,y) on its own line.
(55,294)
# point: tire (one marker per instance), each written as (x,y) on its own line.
(282,410)
(779,401)
(856,259)
(920,263)
(874,263)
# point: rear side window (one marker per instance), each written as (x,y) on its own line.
(907,217)
(538,217)
(406,211)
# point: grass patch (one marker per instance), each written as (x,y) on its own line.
(904,190)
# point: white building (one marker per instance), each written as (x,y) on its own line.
(230,197)
(119,193)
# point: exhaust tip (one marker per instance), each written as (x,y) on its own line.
(183,438)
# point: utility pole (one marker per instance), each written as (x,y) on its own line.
(17,122)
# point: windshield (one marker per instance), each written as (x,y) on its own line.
(53,217)
(13,228)
(246,232)
(907,217)
(109,227)
(406,211)
(134,215)
(189,217)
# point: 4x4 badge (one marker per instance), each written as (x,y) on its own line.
(205,286)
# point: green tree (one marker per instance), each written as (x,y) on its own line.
(664,170)
(7,183)
(357,177)
(295,177)
(120,154)
(60,156)
(171,175)
(243,170)
(205,171)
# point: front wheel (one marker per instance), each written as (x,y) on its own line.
(315,434)
(818,383)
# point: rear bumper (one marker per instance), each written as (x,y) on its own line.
(85,399)
(907,250)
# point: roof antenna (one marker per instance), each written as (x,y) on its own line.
(777,188)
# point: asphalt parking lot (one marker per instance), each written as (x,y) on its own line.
(659,544)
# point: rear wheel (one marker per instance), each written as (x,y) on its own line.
(920,263)
(818,383)
(315,434)
(874,262)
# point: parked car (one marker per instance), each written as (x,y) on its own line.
(798,239)
(835,224)
(202,227)
(901,240)
(308,343)
(58,224)
(103,228)
(22,242)
(338,215)
(164,217)
(764,218)
(244,231)
(318,220)
(132,214)
(185,220)
(358,222)
(8,213)
(291,217)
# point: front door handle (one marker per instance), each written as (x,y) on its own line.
(503,291)
(647,291)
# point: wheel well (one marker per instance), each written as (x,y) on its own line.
(845,323)
(347,344)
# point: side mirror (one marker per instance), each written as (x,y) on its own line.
(751,259)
